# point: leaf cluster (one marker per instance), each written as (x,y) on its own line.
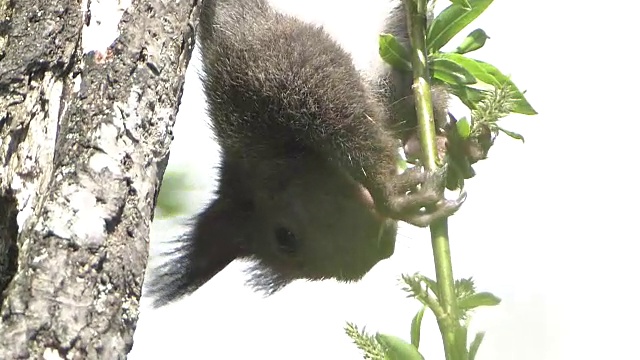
(382,346)
(489,94)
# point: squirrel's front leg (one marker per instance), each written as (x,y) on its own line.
(417,197)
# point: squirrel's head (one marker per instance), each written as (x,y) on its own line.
(312,221)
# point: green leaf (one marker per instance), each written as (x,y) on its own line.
(512,134)
(397,349)
(401,164)
(464,128)
(468,95)
(463,169)
(457,172)
(431,285)
(462,3)
(520,103)
(416,323)
(394,53)
(450,21)
(474,41)
(451,73)
(489,74)
(475,67)
(478,299)
(475,345)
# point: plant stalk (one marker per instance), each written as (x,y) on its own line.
(417,24)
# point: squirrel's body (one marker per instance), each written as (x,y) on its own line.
(308,184)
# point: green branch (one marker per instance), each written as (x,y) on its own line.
(468,141)
(421,89)
(417,15)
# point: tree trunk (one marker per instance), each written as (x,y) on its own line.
(86,127)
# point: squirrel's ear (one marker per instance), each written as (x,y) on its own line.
(215,241)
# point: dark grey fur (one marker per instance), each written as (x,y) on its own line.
(308,185)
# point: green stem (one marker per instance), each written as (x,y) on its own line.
(446,290)
(422,95)
(416,16)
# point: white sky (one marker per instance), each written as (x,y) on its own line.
(549,226)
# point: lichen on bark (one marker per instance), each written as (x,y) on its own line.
(85,140)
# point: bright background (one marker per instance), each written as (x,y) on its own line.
(549,226)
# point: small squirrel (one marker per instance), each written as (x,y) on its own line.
(308,182)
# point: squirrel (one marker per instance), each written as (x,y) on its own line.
(308,181)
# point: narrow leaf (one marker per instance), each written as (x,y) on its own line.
(431,285)
(451,73)
(478,299)
(464,128)
(394,53)
(397,349)
(473,66)
(475,345)
(462,3)
(416,323)
(450,21)
(489,74)
(512,134)
(468,95)
(474,41)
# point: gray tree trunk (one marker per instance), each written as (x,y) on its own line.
(85,141)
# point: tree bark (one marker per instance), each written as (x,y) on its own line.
(85,141)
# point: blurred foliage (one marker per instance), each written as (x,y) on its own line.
(172,200)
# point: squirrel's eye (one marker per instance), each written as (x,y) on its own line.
(286,241)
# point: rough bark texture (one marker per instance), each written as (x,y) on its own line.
(85,140)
